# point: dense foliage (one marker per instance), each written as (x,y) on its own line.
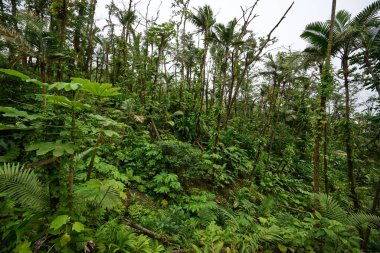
(186,136)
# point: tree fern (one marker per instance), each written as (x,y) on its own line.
(331,209)
(23,186)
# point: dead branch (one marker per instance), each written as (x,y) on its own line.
(163,238)
(247,18)
(268,39)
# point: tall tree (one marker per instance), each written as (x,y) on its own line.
(326,83)
(204,20)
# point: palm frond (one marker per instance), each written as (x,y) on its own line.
(342,20)
(317,34)
(203,18)
(23,186)
(32,22)
(16,38)
(368,15)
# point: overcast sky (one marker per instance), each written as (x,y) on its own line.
(269,11)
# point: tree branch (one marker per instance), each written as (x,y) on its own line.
(41,162)
(273,29)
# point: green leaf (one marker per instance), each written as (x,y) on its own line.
(15,73)
(65,239)
(97,89)
(263,220)
(58,148)
(282,248)
(15,127)
(170,123)
(77,226)
(65,86)
(14,113)
(35,81)
(105,121)
(99,193)
(65,102)
(319,216)
(59,221)
(178,113)
(110,133)
(22,76)
(23,248)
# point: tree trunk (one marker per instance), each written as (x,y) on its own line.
(62,28)
(348,132)
(90,47)
(322,119)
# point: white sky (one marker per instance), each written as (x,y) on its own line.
(269,11)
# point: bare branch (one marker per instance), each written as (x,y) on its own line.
(268,39)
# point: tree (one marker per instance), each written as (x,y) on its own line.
(225,36)
(204,20)
(320,36)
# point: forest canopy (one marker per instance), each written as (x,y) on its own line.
(189,134)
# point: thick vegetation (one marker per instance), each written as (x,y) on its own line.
(186,136)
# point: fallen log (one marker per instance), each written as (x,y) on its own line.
(152,234)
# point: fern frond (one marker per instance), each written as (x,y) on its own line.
(271,234)
(80,156)
(228,217)
(330,208)
(23,186)
(360,219)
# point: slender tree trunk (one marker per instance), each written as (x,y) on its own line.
(325,162)
(348,133)
(62,30)
(90,46)
(326,81)
(14,4)
(231,88)
(221,96)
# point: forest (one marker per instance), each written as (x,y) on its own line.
(189,135)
